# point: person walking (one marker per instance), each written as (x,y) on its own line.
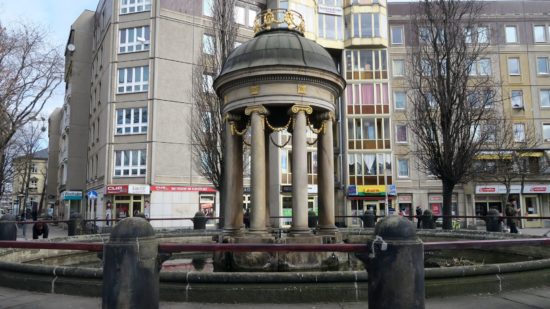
(511,221)
(418,216)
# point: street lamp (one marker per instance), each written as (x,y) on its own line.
(21,196)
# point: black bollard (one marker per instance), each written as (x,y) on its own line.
(395,265)
(492,221)
(369,219)
(199,221)
(74,226)
(428,221)
(8,230)
(130,271)
(311,219)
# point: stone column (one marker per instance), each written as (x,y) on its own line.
(299,169)
(233,177)
(258,168)
(325,157)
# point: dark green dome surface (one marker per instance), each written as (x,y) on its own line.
(279,48)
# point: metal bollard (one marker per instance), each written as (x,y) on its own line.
(130,271)
(74,226)
(8,230)
(199,221)
(368,218)
(395,265)
(492,221)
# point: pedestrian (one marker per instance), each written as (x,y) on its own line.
(40,228)
(108,214)
(418,216)
(246,218)
(147,209)
(511,221)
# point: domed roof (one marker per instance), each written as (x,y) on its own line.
(279,48)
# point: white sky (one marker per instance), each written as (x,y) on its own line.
(54,16)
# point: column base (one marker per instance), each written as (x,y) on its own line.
(327,229)
(232,231)
(299,231)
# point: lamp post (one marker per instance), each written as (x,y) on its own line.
(24,212)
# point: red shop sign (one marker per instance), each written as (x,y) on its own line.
(116,189)
(182,189)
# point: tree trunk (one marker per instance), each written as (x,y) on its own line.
(447,205)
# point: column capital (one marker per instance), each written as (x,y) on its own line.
(296,108)
(229,117)
(260,109)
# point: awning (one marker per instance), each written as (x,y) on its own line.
(534,154)
(370,198)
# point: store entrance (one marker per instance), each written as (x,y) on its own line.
(128,205)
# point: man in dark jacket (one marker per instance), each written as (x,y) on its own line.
(40,228)
(511,212)
(418,216)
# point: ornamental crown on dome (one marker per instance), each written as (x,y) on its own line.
(279,19)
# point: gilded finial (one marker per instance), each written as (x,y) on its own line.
(269,19)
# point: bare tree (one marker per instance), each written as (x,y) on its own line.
(30,70)
(450,107)
(207,125)
(29,141)
(507,156)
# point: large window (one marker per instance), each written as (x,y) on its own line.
(539,32)
(366,64)
(207,6)
(240,17)
(131,120)
(513,66)
(368,133)
(544,97)
(397,37)
(368,25)
(367,94)
(330,19)
(364,168)
(208,44)
(403,168)
(511,34)
(542,65)
(134,6)
(134,79)
(483,35)
(130,163)
(519,132)
(133,39)
(481,67)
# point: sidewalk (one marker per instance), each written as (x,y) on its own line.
(523,299)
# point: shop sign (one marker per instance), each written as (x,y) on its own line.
(72,195)
(496,189)
(331,10)
(286,189)
(438,198)
(404,198)
(139,189)
(367,190)
(116,189)
(183,189)
(536,189)
(392,190)
(311,189)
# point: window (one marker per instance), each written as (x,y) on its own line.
(134,79)
(484,66)
(207,6)
(130,163)
(519,132)
(400,99)
(513,66)
(401,134)
(330,25)
(539,32)
(424,35)
(544,97)
(133,39)
(207,83)
(483,35)
(398,67)
(517,98)
(131,120)
(397,35)
(368,25)
(366,64)
(403,168)
(33,184)
(207,44)
(34,168)
(546,132)
(134,6)
(251,17)
(542,65)
(511,34)
(240,15)
(426,67)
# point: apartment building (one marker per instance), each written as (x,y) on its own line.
(142,58)
(517,58)
(29,182)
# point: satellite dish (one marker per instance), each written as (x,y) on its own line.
(71,47)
